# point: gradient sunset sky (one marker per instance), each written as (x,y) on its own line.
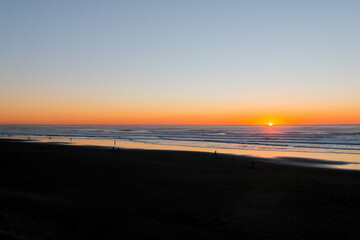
(180,62)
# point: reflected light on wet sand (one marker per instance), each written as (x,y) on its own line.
(352,159)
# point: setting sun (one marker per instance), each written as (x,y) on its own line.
(270,124)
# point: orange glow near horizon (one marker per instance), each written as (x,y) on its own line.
(91,112)
(107,116)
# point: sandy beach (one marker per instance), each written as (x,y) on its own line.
(50,191)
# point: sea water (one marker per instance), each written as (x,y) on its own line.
(319,140)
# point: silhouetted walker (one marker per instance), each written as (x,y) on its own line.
(215,155)
(70,139)
(114,142)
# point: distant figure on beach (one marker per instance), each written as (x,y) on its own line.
(70,139)
(49,138)
(114,142)
(215,154)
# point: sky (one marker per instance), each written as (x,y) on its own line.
(179,62)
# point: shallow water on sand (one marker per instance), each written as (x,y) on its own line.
(329,142)
(340,159)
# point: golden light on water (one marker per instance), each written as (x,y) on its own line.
(270,124)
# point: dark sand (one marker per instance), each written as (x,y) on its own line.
(68,192)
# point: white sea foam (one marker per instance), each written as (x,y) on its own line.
(344,139)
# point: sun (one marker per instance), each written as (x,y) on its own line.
(270,124)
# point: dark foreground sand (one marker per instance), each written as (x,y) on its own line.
(67,192)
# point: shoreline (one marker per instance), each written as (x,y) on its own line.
(292,159)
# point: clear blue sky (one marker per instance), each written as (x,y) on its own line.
(225,56)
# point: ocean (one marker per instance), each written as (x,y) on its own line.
(319,140)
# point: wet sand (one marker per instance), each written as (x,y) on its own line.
(50,191)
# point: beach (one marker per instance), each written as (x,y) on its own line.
(53,191)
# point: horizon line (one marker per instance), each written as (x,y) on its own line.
(322,124)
